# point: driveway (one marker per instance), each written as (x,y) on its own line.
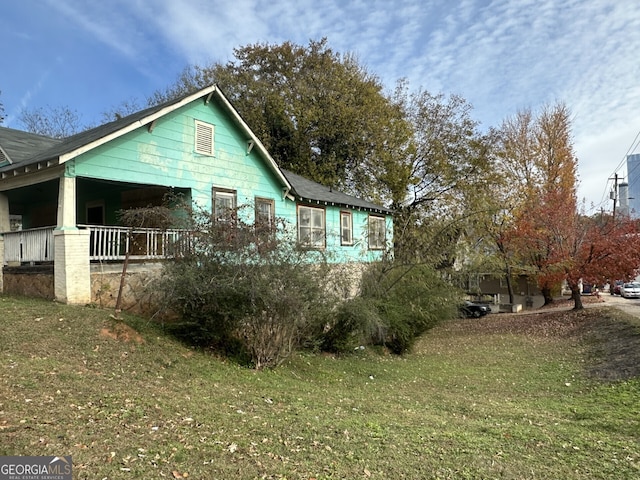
(627,305)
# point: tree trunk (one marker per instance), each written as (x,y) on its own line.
(546,293)
(575,296)
(509,286)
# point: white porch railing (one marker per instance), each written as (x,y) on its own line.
(106,243)
(34,245)
(113,243)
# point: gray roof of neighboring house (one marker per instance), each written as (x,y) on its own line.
(310,191)
(55,148)
(19,146)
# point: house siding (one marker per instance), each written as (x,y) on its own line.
(166,156)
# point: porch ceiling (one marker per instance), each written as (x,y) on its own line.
(36,193)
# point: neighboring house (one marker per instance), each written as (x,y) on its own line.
(63,195)
(492,287)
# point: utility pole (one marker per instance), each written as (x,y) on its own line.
(614,193)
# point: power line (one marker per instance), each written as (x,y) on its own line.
(632,148)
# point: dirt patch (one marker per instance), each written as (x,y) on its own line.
(610,340)
(121,332)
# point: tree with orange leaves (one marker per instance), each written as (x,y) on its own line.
(553,238)
(601,248)
(536,157)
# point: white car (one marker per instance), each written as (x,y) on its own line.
(630,290)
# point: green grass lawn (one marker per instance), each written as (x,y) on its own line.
(477,399)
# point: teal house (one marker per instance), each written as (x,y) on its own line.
(59,198)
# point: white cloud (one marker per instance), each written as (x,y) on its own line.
(501,55)
(106,22)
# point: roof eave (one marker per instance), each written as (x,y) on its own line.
(310,201)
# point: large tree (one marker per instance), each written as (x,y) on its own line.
(444,162)
(599,249)
(319,113)
(324,116)
(539,165)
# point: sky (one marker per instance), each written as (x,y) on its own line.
(502,56)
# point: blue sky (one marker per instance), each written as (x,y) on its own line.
(501,55)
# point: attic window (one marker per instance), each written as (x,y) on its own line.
(204,138)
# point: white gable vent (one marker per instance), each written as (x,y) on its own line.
(204,138)
(4,158)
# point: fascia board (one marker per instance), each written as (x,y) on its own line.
(135,125)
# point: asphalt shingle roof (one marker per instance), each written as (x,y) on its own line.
(26,149)
(308,190)
(19,146)
(56,148)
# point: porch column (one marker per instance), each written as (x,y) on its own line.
(72,275)
(5,226)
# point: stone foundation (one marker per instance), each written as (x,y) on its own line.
(29,281)
(138,296)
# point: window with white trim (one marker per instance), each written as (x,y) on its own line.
(204,138)
(377,232)
(311,230)
(346,228)
(224,204)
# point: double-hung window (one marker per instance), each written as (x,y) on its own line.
(265,214)
(346,228)
(377,232)
(224,205)
(311,229)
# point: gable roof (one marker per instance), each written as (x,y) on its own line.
(306,190)
(70,147)
(24,150)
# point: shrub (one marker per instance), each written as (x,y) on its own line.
(355,322)
(247,291)
(396,305)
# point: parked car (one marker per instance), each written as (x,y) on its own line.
(475,310)
(630,290)
(614,288)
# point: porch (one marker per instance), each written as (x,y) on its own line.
(85,263)
(106,243)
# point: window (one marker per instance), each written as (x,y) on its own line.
(311,227)
(224,205)
(95,213)
(265,213)
(346,228)
(204,138)
(377,232)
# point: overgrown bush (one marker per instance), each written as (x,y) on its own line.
(396,305)
(247,290)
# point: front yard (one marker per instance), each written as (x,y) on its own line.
(539,396)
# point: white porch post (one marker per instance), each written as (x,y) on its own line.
(5,226)
(72,276)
